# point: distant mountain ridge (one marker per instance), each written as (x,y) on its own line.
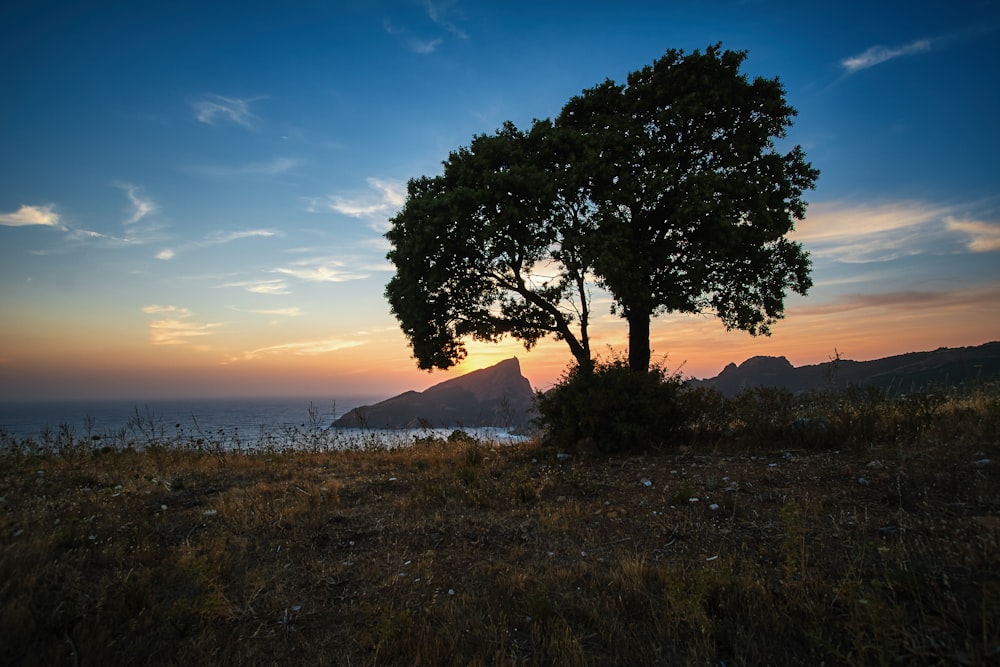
(495,396)
(500,396)
(896,374)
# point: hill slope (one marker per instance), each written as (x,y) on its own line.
(900,373)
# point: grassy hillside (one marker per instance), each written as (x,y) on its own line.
(767,541)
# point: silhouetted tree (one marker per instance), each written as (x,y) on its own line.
(669,191)
(490,248)
(691,197)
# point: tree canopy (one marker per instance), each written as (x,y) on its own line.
(490,248)
(668,192)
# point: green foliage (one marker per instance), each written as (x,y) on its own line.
(612,407)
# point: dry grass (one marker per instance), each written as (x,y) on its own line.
(465,553)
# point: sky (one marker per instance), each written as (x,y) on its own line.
(193,195)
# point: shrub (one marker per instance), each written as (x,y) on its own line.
(612,408)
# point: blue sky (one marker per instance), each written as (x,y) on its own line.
(192,195)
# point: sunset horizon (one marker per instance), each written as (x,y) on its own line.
(193,200)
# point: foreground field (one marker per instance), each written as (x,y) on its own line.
(458,552)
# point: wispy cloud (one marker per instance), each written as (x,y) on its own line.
(877,232)
(905,300)
(877,55)
(262,286)
(981,236)
(213,107)
(278,165)
(176,329)
(215,239)
(156,310)
(425,46)
(439,12)
(321,270)
(47,216)
(294,311)
(383,199)
(221,238)
(413,43)
(141,206)
(26,216)
(299,349)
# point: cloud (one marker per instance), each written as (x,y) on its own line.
(437,10)
(278,165)
(382,201)
(177,330)
(26,216)
(233,109)
(140,207)
(300,349)
(424,46)
(415,44)
(859,233)
(262,286)
(982,236)
(905,300)
(216,239)
(294,311)
(877,55)
(81,234)
(155,310)
(220,238)
(321,270)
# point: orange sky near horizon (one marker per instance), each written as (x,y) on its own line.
(866,303)
(697,346)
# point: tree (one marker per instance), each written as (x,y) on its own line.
(669,191)
(690,196)
(490,248)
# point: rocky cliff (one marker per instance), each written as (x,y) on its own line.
(495,396)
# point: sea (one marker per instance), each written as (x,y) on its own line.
(224,423)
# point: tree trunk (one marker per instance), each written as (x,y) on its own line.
(638,342)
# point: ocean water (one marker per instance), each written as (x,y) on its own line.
(229,423)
